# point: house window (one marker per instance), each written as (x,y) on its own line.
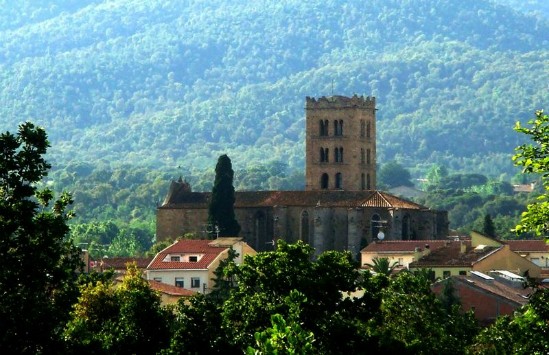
(400,261)
(195,282)
(193,259)
(175,258)
(179,282)
(463,273)
(157,279)
(446,274)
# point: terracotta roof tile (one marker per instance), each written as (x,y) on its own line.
(405,246)
(450,255)
(119,263)
(170,289)
(527,245)
(294,198)
(204,249)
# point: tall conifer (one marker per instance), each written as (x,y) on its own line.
(221,217)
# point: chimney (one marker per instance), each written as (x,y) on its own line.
(417,253)
(426,250)
(462,248)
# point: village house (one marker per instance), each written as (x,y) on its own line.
(190,264)
(489,295)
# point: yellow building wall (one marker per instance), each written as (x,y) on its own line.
(505,259)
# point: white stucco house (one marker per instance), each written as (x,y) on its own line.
(190,263)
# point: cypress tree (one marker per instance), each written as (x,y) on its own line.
(221,217)
(489,229)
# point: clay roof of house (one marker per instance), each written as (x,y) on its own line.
(119,263)
(206,250)
(451,256)
(517,295)
(179,197)
(404,246)
(527,245)
(170,289)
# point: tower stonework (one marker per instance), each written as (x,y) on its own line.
(340,143)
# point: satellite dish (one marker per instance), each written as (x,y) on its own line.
(381,236)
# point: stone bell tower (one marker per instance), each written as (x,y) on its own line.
(340,143)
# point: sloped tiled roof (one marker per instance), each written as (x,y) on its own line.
(350,199)
(170,289)
(451,255)
(518,295)
(528,245)
(119,263)
(404,246)
(208,250)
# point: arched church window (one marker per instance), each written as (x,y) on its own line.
(322,157)
(338,181)
(326,155)
(368,130)
(340,127)
(324,180)
(326,130)
(321,126)
(362,128)
(338,154)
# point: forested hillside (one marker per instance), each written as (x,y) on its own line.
(176,83)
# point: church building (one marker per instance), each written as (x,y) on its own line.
(340,208)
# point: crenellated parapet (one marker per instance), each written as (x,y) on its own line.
(337,101)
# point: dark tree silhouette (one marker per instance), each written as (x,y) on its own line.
(221,217)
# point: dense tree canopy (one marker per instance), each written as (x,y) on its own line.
(173,83)
(37,283)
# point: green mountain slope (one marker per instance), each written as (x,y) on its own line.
(177,83)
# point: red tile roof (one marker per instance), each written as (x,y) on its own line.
(119,263)
(178,198)
(527,245)
(204,248)
(405,246)
(451,255)
(170,289)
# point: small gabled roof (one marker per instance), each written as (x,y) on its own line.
(170,289)
(208,251)
(404,246)
(451,256)
(528,245)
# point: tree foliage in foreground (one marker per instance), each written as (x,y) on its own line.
(534,158)
(38,278)
(127,319)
